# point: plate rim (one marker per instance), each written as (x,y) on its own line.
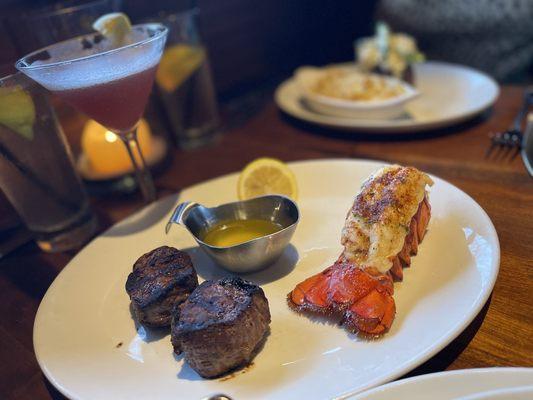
(409,365)
(430,376)
(523,389)
(374,127)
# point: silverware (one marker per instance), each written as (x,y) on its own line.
(511,139)
(219,396)
(249,256)
(527,145)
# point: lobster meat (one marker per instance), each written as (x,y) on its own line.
(358,287)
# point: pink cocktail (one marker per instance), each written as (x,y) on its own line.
(118,104)
(108,82)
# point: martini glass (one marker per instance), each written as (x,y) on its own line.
(108,81)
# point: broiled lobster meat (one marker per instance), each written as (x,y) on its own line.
(361,295)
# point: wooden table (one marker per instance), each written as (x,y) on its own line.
(501,335)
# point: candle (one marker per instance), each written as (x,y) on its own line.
(105,152)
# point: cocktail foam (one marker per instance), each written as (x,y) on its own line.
(96,65)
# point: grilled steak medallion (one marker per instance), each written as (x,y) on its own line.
(160,279)
(220,325)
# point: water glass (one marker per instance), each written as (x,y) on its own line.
(184,82)
(44,26)
(36,170)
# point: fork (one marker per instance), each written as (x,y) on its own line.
(512,138)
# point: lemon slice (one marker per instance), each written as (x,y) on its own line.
(266,176)
(17,111)
(114,26)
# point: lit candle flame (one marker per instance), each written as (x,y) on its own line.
(110,137)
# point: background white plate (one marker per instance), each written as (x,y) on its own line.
(513,393)
(88,346)
(449,94)
(453,384)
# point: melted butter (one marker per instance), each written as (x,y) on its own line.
(231,233)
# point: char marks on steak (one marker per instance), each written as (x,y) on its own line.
(221,325)
(161,279)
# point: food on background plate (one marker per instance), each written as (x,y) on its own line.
(345,91)
(160,279)
(221,326)
(387,222)
(342,83)
(266,176)
(388,53)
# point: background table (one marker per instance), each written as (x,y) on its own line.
(501,335)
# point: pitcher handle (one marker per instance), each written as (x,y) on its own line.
(179,213)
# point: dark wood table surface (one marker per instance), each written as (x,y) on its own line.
(501,335)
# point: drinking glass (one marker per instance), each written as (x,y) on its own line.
(36,170)
(184,82)
(44,26)
(108,81)
(34,28)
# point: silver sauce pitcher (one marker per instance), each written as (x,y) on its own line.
(252,255)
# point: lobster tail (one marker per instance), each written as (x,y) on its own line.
(362,300)
(389,216)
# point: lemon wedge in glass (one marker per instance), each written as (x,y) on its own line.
(178,63)
(115,26)
(17,111)
(266,176)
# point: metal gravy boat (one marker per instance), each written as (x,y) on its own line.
(249,256)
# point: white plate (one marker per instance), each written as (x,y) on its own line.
(449,94)
(454,385)
(84,315)
(514,393)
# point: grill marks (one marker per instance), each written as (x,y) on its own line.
(221,326)
(160,279)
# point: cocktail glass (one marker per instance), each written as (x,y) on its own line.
(108,81)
